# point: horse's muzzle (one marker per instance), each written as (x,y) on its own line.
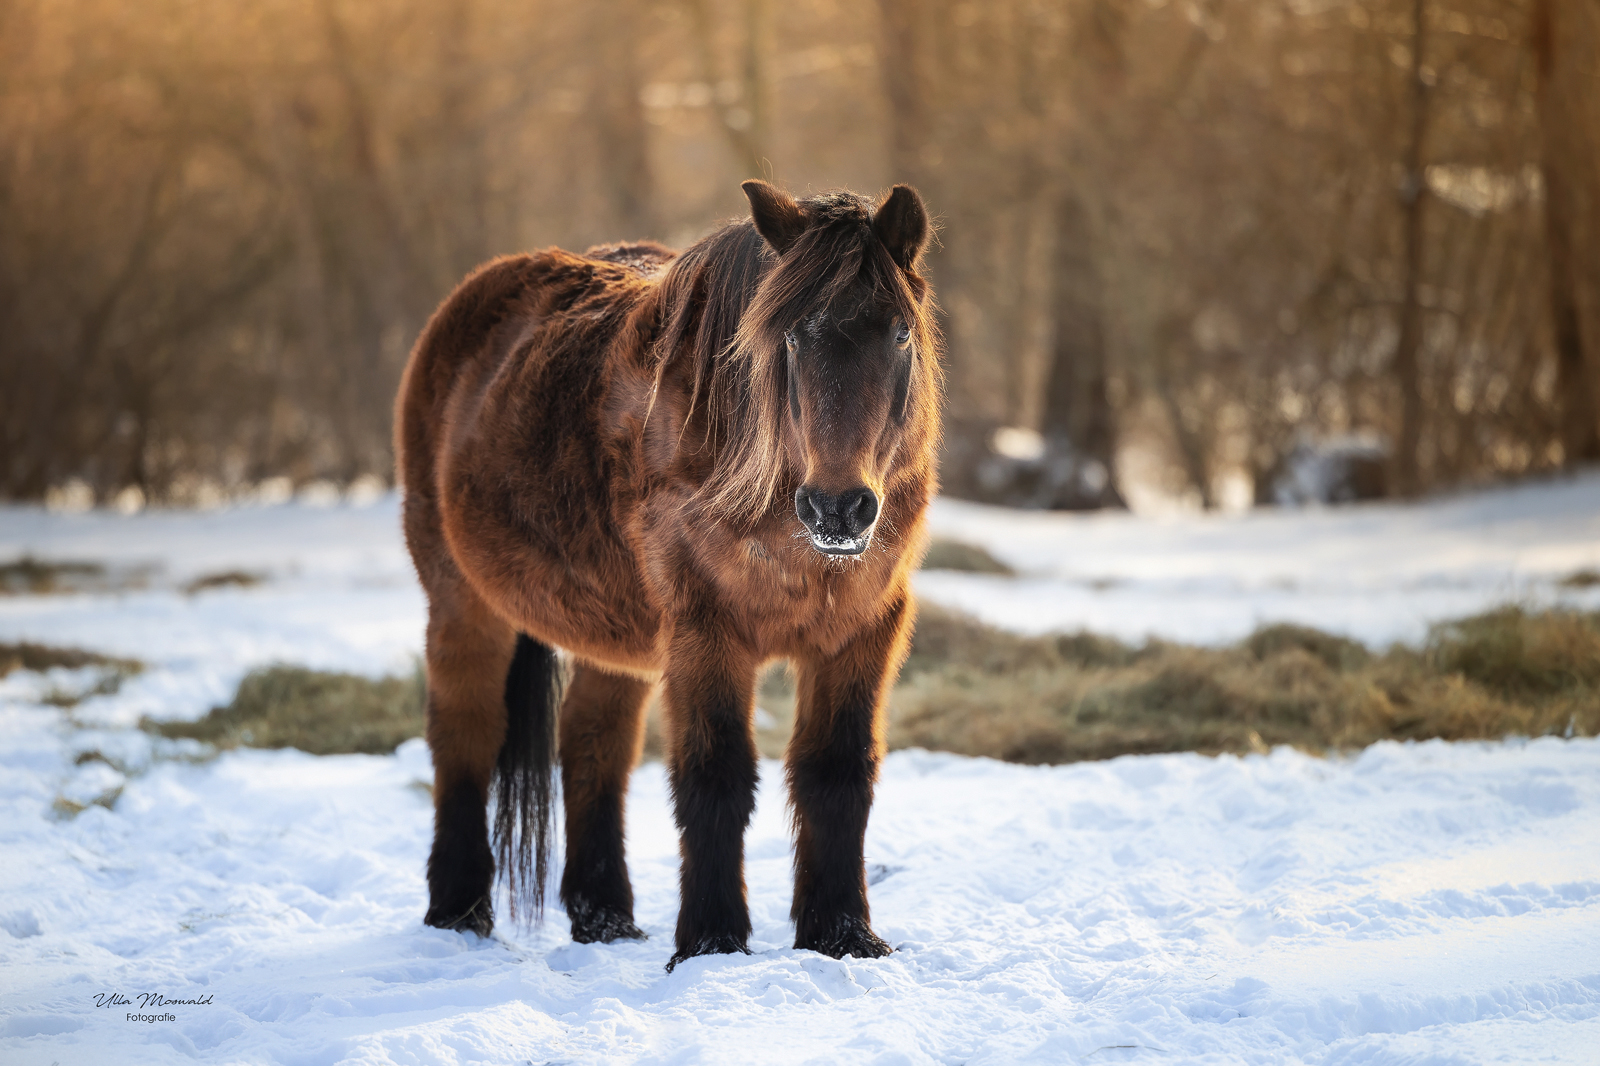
(839,524)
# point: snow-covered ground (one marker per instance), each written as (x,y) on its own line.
(1377,572)
(1424,903)
(342,590)
(1431,903)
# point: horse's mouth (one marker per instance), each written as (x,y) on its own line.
(840,545)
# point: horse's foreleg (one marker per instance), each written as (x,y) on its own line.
(468,654)
(602,728)
(710,693)
(832,761)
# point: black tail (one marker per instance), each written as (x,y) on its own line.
(524,775)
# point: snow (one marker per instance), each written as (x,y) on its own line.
(1378,572)
(1420,903)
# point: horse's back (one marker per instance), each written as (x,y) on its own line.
(487,326)
(509,475)
(457,340)
(646,258)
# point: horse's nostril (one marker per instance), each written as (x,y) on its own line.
(862,510)
(805,506)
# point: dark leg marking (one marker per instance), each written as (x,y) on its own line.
(713,775)
(832,793)
(602,725)
(461,866)
(832,766)
(595,887)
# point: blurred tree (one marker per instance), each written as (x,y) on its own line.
(741,98)
(624,156)
(1413,203)
(1564,152)
(1187,244)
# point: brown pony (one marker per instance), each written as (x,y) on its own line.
(677,467)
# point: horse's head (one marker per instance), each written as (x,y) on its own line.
(847,318)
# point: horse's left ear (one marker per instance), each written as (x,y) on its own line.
(901,224)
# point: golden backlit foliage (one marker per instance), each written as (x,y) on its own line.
(1177,236)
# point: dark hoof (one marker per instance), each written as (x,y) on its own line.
(478,918)
(600,925)
(847,938)
(727,944)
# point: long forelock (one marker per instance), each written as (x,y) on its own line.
(741,373)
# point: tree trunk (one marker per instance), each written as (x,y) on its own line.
(623,133)
(1413,194)
(1078,424)
(908,120)
(1580,434)
(744,120)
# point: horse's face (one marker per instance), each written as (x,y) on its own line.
(849,372)
(850,368)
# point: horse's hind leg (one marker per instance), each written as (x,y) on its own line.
(469,653)
(602,729)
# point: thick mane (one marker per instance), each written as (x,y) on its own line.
(729,299)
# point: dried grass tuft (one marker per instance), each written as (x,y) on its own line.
(30,576)
(29,656)
(222,579)
(959,555)
(314,711)
(973,689)
(980,691)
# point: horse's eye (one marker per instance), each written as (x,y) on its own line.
(902,338)
(789,339)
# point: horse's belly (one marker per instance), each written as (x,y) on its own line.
(583,596)
(543,552)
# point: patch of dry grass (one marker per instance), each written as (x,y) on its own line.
(958,555)
(222,579)
(1587,578)
(28,656)
(318,712)
(973,689)
(30,576)
(977,690)
(110,672)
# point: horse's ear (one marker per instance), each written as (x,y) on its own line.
(902,225)
(778,218)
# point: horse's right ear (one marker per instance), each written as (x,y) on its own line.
(778,218)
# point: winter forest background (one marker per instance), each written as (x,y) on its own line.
(1180,239)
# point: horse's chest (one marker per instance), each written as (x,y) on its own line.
(794,592)
(769,574)
(771,586)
